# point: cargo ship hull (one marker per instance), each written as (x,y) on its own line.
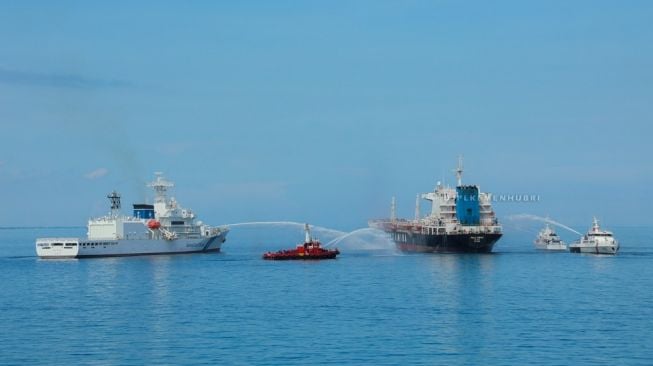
(445,243)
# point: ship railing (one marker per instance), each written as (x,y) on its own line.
(168,235)
(58,239)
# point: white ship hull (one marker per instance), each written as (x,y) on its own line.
(550,247)
(85,248)
(594,249)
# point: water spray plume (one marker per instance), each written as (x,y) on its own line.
(289,223)
(365,238)
(542,219)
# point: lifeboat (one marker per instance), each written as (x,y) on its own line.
(153,224)
(309,249)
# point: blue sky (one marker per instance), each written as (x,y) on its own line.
(321,111)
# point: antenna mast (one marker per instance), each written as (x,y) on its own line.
(307,234)
(393,210)
(160,186)
(459,171)
(114,198)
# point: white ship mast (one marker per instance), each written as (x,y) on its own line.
(459,171)
(595,225)
(160,186)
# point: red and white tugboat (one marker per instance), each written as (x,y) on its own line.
(309,249)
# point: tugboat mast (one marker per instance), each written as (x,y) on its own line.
(307,234)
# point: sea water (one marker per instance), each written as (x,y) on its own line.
(369,306)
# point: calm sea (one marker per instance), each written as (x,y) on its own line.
(370,306)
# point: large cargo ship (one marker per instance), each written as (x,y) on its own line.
(162,228)
(461,221)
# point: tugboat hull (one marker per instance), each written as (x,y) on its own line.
(293,256)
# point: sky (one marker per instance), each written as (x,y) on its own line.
(322,111)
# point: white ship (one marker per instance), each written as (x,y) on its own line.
(161,228)
(547,239)
(596,241)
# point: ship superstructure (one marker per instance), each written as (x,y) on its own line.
(160,228)
(461,220)
(548,239)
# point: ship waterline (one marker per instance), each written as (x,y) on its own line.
(49,248)
(467,243)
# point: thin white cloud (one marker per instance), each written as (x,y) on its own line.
(174,149)
(97,173)
(56,80)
